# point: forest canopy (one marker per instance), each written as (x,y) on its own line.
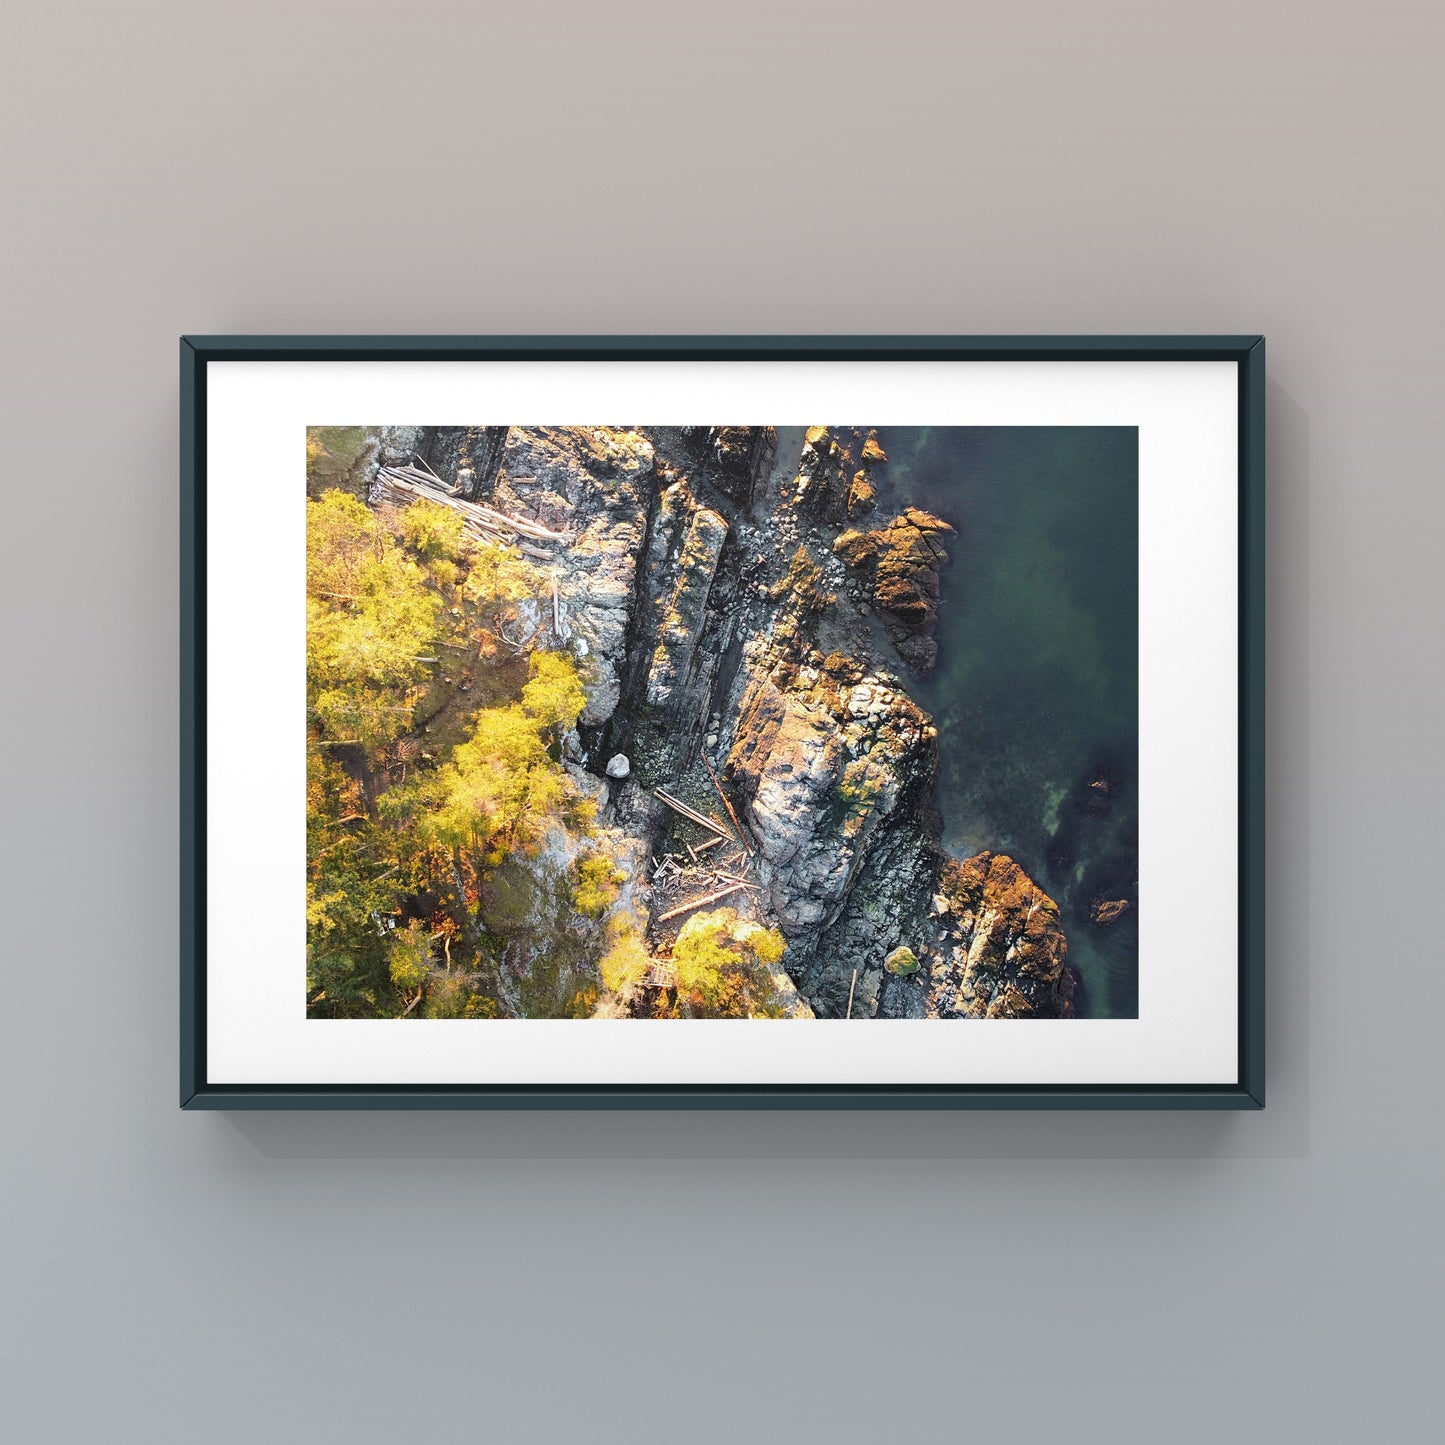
(457,866)
(452,867)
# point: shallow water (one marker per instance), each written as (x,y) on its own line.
(1036,689)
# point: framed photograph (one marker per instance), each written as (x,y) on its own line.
(722,722)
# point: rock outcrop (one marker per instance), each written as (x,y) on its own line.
(835,478)
(822,763)
(479,458)
(725,613)
(903,560)
(671,673)
(683,605)
(1002,950)
(1109,910)
(741,458)
(595,484)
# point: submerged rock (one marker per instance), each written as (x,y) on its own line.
(1109,910)
(862,496)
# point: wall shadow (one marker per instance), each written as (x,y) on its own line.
(1282,1131)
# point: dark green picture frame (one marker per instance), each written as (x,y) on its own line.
(197,1092)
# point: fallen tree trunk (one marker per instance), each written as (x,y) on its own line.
(742,837)
(700,902)
(693,815)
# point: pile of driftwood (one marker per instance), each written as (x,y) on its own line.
(686,886)
(672,879)
(400,486)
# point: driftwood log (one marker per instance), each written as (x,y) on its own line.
(406,484)
(701,819)
(701,902)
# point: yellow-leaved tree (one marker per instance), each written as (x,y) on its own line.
(503,789)
(369,621)
(722,963)
(624,962)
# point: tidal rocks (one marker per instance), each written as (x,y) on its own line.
(903,561)
(834,478)
(1003,952)
(862,495)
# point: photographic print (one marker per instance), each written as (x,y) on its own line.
(743,722)
(722,722)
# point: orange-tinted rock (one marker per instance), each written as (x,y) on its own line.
(856,548)
(830,484)
(816,785)
(1006,949)
(862,496)
(906,555)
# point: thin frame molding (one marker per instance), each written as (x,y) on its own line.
(196,1092)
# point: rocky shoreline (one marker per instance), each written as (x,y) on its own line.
(746,623)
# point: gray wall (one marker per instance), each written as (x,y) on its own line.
(756,167)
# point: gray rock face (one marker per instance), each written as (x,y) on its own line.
(397,444)
(741,458)
(588,784)
(819,783)
(680,632)
(682,615)
(467,458)
(793,1004)
(789,758)
(593,482)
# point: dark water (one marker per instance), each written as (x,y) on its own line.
(1036,690)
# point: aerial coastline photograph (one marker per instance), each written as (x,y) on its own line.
(744,722)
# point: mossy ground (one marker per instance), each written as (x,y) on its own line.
(333,455)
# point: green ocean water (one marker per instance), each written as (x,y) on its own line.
(1036,689)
